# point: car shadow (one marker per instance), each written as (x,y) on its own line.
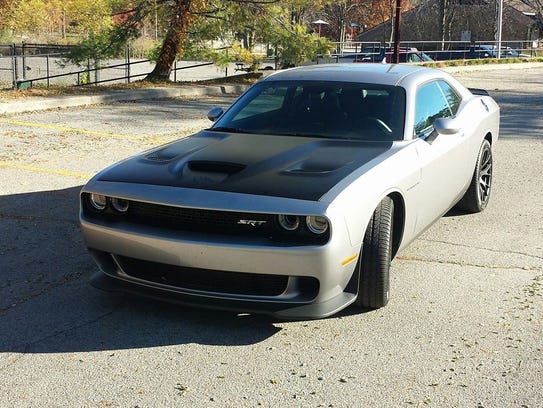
(48,306)
(520,114)
(455,212)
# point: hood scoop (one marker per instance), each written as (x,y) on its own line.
(209,172)
(315,167)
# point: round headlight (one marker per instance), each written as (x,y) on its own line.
(316,224)
(98,201)
(119,204)
(288,222)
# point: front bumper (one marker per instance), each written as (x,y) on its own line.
(282,310)
(316,282)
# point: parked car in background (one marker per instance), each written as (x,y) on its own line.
(409,55)
(378,54)
(296,199)
(478,51)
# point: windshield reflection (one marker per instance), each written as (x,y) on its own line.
(336,110)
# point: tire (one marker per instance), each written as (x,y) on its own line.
(476,197)
(375,258)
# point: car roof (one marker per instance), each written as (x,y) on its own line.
(378,73)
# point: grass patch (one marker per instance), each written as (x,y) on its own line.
(41,91)
(484,61)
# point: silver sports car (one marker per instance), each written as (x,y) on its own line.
(296,199)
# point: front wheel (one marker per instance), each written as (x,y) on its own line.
(476,197)
(375,258)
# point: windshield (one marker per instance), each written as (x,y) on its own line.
(336,110)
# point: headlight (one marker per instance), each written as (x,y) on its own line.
(316,224)
(98,201)
(119,204)
(289,222)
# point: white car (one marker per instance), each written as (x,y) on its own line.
(296,199)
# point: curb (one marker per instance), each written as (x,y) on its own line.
(41,103)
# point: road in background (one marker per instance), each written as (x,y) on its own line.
(463,327)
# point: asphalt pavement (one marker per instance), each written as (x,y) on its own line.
(464,327)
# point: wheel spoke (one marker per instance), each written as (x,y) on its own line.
(485,176)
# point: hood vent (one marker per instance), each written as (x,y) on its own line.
(161,156)
(207,173)
(315,167)
(215,167)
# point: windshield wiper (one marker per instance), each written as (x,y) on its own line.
(228,129)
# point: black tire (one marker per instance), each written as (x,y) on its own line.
(375,257)
(476,197)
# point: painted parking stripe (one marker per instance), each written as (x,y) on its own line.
(84,131)
(35,169)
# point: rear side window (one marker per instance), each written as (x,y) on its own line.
(436,99)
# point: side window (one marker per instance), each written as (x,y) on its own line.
(453,99)
(434,100)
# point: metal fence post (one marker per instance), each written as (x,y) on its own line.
(127,60)
(14,69)
(23,52)
(96,71)
(48,73)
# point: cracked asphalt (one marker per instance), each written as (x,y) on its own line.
(464,327)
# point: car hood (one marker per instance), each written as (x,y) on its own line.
(281,166)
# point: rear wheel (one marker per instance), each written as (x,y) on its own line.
(476,197)
(375,257)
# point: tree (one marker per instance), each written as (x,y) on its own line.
(175,37)
(38,17)
(193,22)
(27,17)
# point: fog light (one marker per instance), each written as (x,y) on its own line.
(98,201)
(119,204)
(288,222)
(316,224)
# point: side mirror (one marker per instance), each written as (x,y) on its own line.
(446,126)
(214,114)
(443,126)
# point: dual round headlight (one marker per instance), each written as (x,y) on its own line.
(315,223)
(100,202)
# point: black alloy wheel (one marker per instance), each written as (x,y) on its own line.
(478,194)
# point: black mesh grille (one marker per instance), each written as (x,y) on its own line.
(199,220)
(233,283)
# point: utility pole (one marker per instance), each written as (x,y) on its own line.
(397,24)
(499,24)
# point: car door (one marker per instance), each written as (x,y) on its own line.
(441,157)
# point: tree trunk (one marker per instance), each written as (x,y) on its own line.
(175,37)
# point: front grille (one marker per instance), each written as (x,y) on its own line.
(194,219)
(170,218)
(232,283)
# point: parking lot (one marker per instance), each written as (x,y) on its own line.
(464,327)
